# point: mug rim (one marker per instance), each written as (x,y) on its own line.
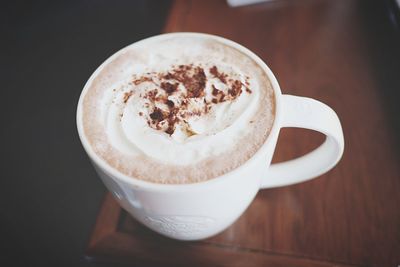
(147,185)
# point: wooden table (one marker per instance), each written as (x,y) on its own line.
(342,53)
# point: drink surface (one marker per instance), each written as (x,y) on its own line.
(180,109)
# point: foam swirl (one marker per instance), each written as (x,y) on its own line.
(176,118)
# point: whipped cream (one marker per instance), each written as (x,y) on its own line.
(182,114)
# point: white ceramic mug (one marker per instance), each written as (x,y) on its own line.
(200,210)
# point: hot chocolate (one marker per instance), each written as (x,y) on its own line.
(181,109)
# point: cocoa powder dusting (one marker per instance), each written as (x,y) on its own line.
(214,91)
(127,95)
(170,103)
(169,88)
(199,83)
(236,89)
(219,96)
(170,130)
(151,95)
(141,80)
(194,80)
(167,76)
(221,76)
(247,85)
(157,115)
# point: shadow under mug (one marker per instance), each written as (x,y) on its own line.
(200,210)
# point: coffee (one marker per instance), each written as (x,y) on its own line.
(179,109)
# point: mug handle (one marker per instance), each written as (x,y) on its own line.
(303,112)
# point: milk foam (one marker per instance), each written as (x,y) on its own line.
(117,115)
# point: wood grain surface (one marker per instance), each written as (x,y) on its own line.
(342,53)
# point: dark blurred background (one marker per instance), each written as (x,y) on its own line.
(50,194)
